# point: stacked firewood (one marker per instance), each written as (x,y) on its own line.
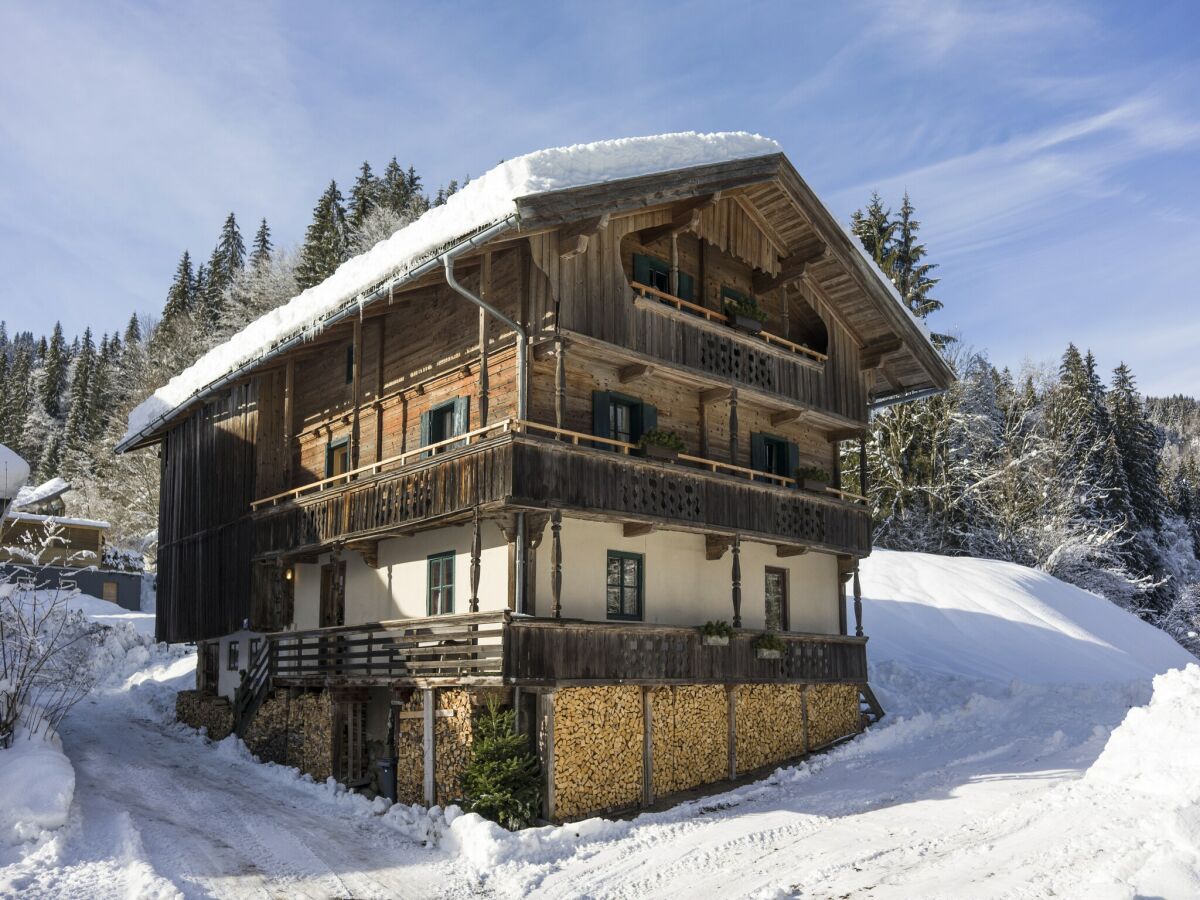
(690,736)
(310,734)
(410,751)
(202,710)
(597,749)
(267,734)
(770,724)
(452,743)
(832,713)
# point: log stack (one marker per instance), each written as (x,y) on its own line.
(770,724)
(267,734)
(310,734)
(410,750)
(198,709)
(832,713)
(690,736)
(598,733)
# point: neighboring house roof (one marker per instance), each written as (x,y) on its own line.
(57,520)
(540,188)
(48,490)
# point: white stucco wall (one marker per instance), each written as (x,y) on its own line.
(398,588)
(227,681)
(682,586)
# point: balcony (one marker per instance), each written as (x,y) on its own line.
(526,465)
(499,648)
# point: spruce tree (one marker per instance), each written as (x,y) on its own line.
(396,189)
(876,231)
(55,381)
(76,431)
(325,241)
(181,295)
(364,196)
(260,255)
(501,781)
(1140,444)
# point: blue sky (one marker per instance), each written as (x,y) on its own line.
(1051,149)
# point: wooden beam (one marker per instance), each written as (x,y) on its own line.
(790,417)
(427,746)
(355,392)
(684,217)
(837,435)
(715,546)
(715,395)
(573,239)
(790,268)
(626,374)
(637,529)
(785,550)
(873,355)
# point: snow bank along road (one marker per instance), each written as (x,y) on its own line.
(1010,765)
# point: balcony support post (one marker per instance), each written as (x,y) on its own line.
(560,383)
(858,629)
(737,581)
(734,455)
(556,557)
(476,543)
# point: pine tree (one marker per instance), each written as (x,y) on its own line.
(396,189)
(55,381)
(214,283)
(260,255)
(325,242)
(1140,444)
(181,295)
(876,231)
(501,782)
(76,431)
(364,196)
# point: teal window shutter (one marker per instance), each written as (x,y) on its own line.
(600,403)
(793,459)
(687,287)
(426,429)
(758,451)
(462,421)
(641,268)
(645,419)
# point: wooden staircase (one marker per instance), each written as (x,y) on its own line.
(868,706)
(253,690)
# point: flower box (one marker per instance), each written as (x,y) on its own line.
(760,653)
(658,451)
(747,324)
(812,484)
(714,640)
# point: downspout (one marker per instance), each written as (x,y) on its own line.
(522,372)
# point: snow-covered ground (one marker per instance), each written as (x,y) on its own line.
(1026,753)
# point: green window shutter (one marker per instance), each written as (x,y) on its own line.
(600,427)
(793,459)
(426,430)
(645,418)
(462,421)
(687,287)
(758,451)
(641,268)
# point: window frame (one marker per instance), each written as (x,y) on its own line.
(332,446)
(785,601)
(626,555)
(232,656)
(445,559)
(255,646)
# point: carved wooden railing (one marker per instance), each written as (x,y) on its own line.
(495,647)
(708,315)
(451,647)
(557,651)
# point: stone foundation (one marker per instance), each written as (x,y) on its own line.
(199,709)
(598,736)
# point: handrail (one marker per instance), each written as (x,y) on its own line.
(576,438)
(479,618)
(713,316)
(502,426)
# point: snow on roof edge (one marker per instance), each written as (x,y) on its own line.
(13,515)
(483,202)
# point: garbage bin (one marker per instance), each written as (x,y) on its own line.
(387,776)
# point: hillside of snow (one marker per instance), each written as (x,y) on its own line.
(1039,742)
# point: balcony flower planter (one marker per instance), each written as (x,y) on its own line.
(714,640)
(762,653)
(812,484)
(748,324)
(658,451)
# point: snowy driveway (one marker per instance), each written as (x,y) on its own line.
(160,813)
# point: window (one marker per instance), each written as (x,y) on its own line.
(350,364)
(770,453)
(109,592)
(255,644)
(777,599)
(441,584)
(621,418)
(232,664)
(444,421)
(337,457)
(211,654)
(624,595)
(656,273)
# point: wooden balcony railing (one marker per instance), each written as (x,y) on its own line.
(644,290)
(499,648)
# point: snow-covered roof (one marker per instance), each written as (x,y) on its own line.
(14,472)
(57,520)
(47,490)
(482,203)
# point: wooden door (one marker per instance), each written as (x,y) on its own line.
(333,594)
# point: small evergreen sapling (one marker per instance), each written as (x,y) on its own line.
(502,781)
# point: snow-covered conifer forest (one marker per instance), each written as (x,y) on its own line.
(1064,466)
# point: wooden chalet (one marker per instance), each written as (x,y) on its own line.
(438,490)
